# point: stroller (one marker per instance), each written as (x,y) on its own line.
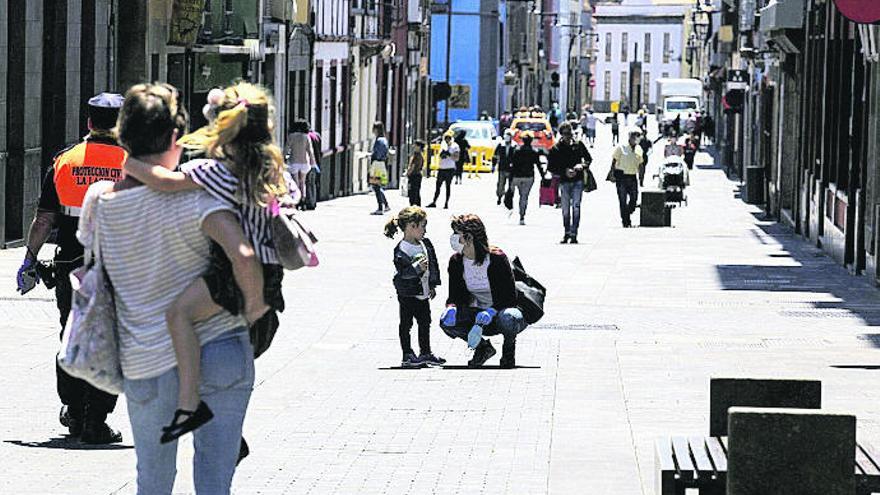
(673,179)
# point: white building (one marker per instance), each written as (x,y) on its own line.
(647,31)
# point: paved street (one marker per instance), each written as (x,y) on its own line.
(637,322)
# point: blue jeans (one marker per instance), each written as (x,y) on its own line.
(508,322)
(572,192)
(227,369)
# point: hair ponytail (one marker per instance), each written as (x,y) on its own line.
(392,227)
(241,137)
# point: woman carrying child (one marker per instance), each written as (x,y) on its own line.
(418,273)
(244,168)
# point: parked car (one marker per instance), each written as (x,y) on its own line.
(483,138)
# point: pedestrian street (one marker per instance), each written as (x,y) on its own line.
(637,322)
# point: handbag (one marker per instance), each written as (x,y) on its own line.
(508,198)
(530,294)
(294,242)
(611,177)
(90,341)
(404,186)
(590,184)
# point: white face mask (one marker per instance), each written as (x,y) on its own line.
(455,243)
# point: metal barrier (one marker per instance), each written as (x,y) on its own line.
(481,159)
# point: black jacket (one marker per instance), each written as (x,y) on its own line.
(564,157)
(408,279)
(523,160)
(500,281)
(503,156)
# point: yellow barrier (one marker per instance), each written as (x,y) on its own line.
(481,159)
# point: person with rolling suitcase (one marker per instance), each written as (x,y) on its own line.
(524,160)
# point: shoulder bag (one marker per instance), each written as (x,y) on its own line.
(530,294)
(90,341)
(294,242)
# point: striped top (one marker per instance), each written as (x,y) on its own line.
(222,184)
(152,247)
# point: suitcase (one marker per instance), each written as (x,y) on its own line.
(547,193)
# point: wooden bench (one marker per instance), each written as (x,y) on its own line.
(701,463)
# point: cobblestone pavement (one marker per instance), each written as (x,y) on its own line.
(637,322)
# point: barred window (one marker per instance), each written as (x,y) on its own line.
(608,47)
(607,85)
(647,47)
(666,49)
(624,84)
(624,43)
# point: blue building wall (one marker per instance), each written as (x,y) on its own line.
(464,61)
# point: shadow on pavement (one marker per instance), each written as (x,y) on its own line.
(66,443)
(815,272)
(485,367)
(856,366)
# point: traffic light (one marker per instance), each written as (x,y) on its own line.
(441,91)
(554,79)
(734,100)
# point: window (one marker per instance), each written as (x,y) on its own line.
(608,47)
(665,74)
(646,91)
(666,49)
(608,85)
(624,79)
(647,48)
(624,44)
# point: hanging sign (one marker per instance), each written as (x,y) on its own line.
(860,11)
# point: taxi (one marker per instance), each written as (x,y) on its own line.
(537,123)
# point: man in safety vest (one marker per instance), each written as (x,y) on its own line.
(98,157)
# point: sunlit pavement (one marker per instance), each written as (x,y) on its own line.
(637,322)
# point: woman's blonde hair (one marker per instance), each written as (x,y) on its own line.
(408,215)
(241,137)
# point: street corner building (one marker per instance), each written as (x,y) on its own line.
(338,64)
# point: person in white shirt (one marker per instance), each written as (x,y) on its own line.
(449,154)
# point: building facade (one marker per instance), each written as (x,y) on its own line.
(639,41)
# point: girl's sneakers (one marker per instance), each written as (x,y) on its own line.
(411,361)
(431,360)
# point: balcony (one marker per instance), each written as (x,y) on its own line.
(781,23)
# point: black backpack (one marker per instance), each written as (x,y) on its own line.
(530,294)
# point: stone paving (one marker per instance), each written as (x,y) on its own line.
(637,322)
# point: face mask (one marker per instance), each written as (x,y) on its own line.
(455,243)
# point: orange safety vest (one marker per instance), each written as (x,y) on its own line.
(82,166)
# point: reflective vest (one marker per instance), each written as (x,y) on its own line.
(82,166)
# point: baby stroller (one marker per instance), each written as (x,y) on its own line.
(673,179)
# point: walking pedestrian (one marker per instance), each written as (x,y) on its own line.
(313,179)
(525,161)
(625,162)
(502,161)
(690,151)
(698,130)
(672,148)
(464,154)
(414,173)
(588,123)
(416,277)
(378,178)
(709,128)
(646,145)
(615,127)
(482,294)
(98,157)
(569,159)
(244,168)
(555,116)
(301,153)
(155,245)
(449,154)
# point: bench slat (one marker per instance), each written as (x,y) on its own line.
(665,480)
(683,458)
(664,454)
(701,458)
(719,456)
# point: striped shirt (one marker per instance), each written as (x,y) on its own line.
(223,185)
(153,248)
